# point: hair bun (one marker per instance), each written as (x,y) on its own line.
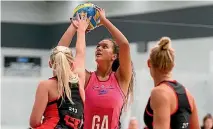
(164,43)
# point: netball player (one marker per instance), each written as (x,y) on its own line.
(60,99)
(170,106)
(108,88)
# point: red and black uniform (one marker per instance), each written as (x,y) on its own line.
(61,114)
(180,118)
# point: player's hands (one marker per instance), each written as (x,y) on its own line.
(81,22)
(102,14)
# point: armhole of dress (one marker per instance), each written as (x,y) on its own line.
(176,98)
(119,87)
(147,109)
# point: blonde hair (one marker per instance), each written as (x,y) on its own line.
(162,56)
(61,60)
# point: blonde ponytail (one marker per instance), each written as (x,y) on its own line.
(62,60)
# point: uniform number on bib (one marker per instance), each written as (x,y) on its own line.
(100,123)
(74,110)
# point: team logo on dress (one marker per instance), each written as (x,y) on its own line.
(96,87)
(103,89)
(110,87)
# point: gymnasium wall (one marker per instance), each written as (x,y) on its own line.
(59,11)
(31,28)
(192,69)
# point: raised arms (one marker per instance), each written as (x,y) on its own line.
(125,69)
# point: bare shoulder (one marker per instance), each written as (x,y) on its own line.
(87,75)
(88,72)
(45,84)
(159,95)
(159,92)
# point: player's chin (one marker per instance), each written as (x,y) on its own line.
(98,59)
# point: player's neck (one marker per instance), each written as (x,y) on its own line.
(160,78)
(103,71)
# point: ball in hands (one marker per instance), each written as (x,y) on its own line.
(90,10)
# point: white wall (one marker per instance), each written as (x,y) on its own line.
(211,62)
(192,69)
(118,8)
(24,11)
(61,11)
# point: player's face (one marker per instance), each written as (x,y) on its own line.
(104,51)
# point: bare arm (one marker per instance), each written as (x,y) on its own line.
(41,100)
(194,121)
(81,47)
(124,70)
(80,52)
(67,36)
(80,60)
(160,105)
